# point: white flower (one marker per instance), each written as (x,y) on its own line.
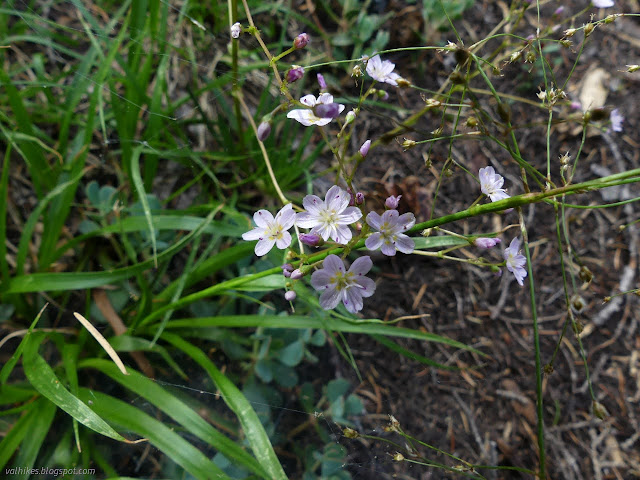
(603,3)
(616,120)
(306,116)
(382,71)
(491,184)
(337,284)
(329,218)
(236,28)
(389,235)
(271,231)
(515,260)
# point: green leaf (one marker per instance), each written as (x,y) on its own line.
(178,411)
(256,435)
(42,378)
(142,196)
(292,354)
(157,433)
(337,388)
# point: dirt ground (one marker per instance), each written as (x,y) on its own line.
(486,413)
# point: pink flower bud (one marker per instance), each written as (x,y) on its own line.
(287,267)
(486,242)
(311,239)
(392,202)
(576,106)
(264,130)
(294,74)
(382,95)
(327,110)
(364,149)
(290,296)
(321,82)
(359,198)
(301,41)
(296,274)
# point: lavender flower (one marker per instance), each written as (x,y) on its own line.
(392,202)
(515,260)
(294,74)
(306,116)
(301,41)
(236,28)
(271,231)
(389,235)
(264,130)
(486,242)
(616,120)
(603,3)
(491,184)
(364,149)
(311,239)
(290,296)
(329,218)
(336,284)
(321,82)
(382,71)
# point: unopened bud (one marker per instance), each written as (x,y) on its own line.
(359,198)
(382,95)
(566,43)
(588,29)
(472,122)
(301,41)
(287,267)
(633,68)
(578,303)
(264,130)
(599,410)
(392,202)
(351,116)
(350,433)
(570,32)
(294,74)
(296,274)
(327,110)
(408,143)
(486,242)
(290,296)
(515,56)
(585,274)
(364,149)
(236,28)
(398,457)
(311,239)
(611,18)
(321,82)
(559,11)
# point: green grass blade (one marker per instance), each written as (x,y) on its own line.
(28,453)
(142,195)
(14,437)
(368,327)
(4,197)
(256,435)
(44,380)
(157,433)
(179,411)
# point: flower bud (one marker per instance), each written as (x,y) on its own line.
(588,29)
(570,32)
(311,239)
(599,410)
(294,74)
(329,110)
(301,41)
(559,11)
(286,273)
(350,433)
(351,116)
(364,149)
(359,198)
(322,83)
(392,202)
(633,68)
(236,28)
(472,122)
(585,274)
(296,274)
(382,95)
(403,83)
(290,296)
(264,130)
(486,242)
(576,106)
(408,143)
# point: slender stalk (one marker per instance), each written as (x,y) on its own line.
(235,86)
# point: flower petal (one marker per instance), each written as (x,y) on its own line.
(349,216)
(342,234)
(286,217)
(306,220)
(337,199)
(333,264)
(374,241)
(308,100)
(374,220)
(330,298)
(305,117)
(405,244)
(263,218)
(361,266)
(352,299)
(388,249)
(284,241)
(264,246)
(320,279)
(325,98)
(367,286)
(313,204)
(407,220)
(255,234)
